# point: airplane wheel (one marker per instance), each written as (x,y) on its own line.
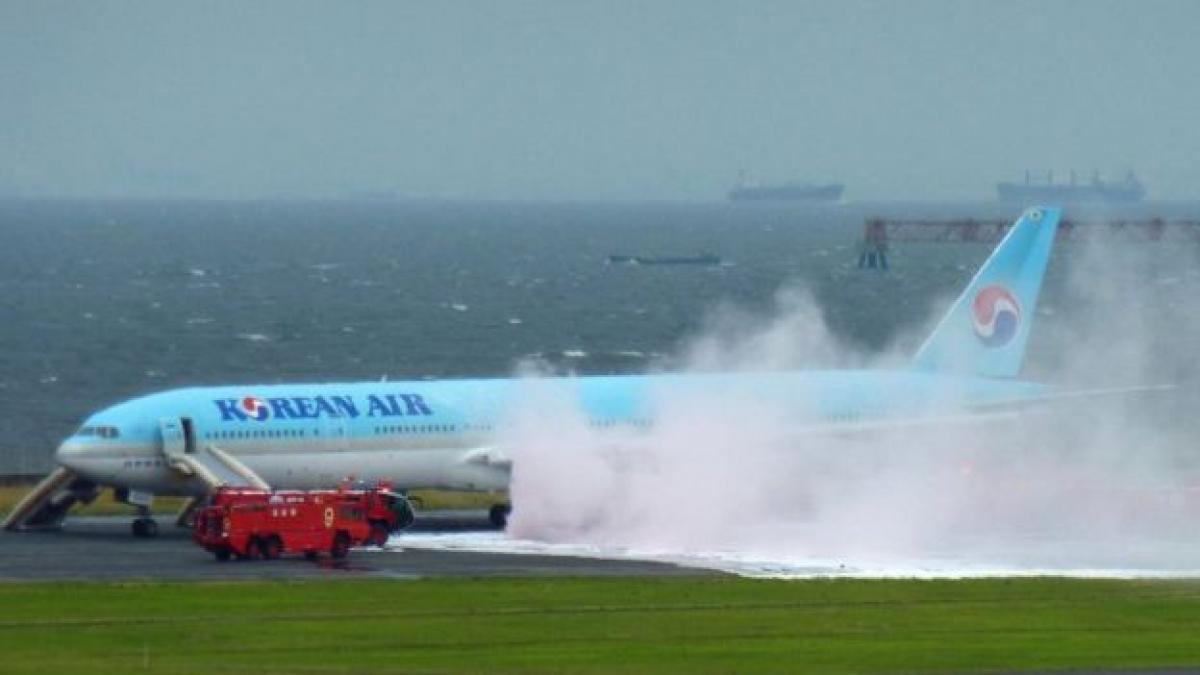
(498,514)
(145,527)
(341,546)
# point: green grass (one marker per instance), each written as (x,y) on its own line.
(432,500)
(599,625)
(104,505)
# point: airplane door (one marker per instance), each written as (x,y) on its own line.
(174,440)
(189,435)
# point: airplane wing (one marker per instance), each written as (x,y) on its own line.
(985,414)
(925,423)
(1075,396)
(973,417)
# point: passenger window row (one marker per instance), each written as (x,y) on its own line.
(423,429)
(620,423)
(257,433)
(142,463)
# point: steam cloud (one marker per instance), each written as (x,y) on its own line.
(1105,483)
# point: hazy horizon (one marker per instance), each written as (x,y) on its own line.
(591,101)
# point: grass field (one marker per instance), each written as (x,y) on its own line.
(103,506)
(169,506)
(599,625)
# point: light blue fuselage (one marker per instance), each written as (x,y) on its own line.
(450,433)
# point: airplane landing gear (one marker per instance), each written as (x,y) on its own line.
(498,514)
(145,527)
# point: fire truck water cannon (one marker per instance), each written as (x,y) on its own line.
(253,524)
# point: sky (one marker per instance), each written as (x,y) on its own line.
(582,100)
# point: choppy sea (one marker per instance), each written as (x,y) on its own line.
(101,301)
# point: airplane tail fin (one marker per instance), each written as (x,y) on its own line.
(987,328)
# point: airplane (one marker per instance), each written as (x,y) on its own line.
(448,434)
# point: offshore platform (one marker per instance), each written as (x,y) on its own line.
(879,234)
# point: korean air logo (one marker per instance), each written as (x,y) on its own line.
(996,315)
(255,408)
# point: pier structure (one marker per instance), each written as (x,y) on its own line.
(880,233)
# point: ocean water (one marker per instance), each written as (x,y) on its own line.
(101,301)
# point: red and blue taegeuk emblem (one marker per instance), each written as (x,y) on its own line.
(995,315)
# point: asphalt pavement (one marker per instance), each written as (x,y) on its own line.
(102,548)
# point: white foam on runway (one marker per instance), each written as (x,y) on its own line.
(824,475)
(1038,559)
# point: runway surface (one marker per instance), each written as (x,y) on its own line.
(101,548)
(790,555)
(464,544)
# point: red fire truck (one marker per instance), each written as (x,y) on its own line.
(252,524)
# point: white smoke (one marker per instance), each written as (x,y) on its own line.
(1100,483)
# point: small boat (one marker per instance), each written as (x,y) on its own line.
(701,259)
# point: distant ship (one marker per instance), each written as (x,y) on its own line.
(785,192)
(1097,190)
(701,259)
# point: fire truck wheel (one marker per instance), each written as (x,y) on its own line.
(341,546)
(263,548)
(253,549)
(272,547)
(222,555)
(311,555)
(379,535)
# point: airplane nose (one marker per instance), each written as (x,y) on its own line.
(69,453)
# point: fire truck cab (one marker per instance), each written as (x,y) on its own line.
(252,524)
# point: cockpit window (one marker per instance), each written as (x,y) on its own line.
(101,431)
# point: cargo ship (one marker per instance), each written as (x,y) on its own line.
(785,192)
(1096,190)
